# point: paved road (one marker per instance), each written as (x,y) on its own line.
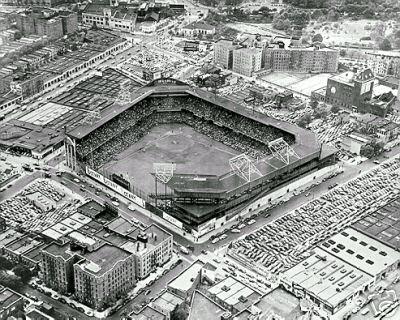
(155,288)
(60,307)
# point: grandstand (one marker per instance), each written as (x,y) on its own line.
(265,152)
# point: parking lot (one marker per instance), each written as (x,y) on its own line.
(282,243)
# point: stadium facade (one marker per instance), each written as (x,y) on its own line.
(280,153)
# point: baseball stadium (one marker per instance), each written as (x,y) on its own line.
(190,154)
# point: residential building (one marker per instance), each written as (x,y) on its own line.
(350,89)
(384,63)
(25,23)
(109,17)
(104,275)
(18,251)
(11,303)
(52,28)
(223,53)
(57,267)
(197,29)
(152,248)
(247,61)
(69,21)
(297,59)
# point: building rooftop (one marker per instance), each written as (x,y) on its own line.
(82,238)
(121,226)
(59,250)
(327,277)
(383,224)
(278,302)
(8,297)
(234,293)
(148,313)
(9,236)
(203,307)
(155,235)
(91,209)
(168,301)
(103,259)
(349,77)
(199,25)
(184,281)
(361,251)
(23,245)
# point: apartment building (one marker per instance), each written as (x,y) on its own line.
(223,53)
(104,275)
(307,60)
(384,63)
(151,248)
(52,28)
(108,17)
(69,21)
(196,29)
(57,267)
(246,61)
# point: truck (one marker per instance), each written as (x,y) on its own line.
(184,250)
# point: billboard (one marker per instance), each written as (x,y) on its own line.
(118,179)
(117,188)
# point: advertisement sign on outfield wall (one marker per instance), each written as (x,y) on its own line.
(117,188)
(172,220)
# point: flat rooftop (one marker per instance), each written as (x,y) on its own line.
(361,251)
(168,301)
(203,307)
(183,281)
(327,277)
(59,250)
(8,297)
(24,245)
(383,225)
(103,259)
(9,236)
(155,235)
(91,208)
(121,226)
(234,293)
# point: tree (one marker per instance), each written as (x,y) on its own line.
(317,38)
(385,45)
(23,272)
(342,52)
(335,109)
(5,264)
(179,313)
(304,120)
(372,149)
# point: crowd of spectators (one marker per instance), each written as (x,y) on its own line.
(241,133)
(284,242)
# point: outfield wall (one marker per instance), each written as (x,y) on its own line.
(117,188)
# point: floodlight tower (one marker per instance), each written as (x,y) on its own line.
(244,167)
(163,172)
(282,151)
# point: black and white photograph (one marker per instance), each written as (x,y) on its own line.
(199,159)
